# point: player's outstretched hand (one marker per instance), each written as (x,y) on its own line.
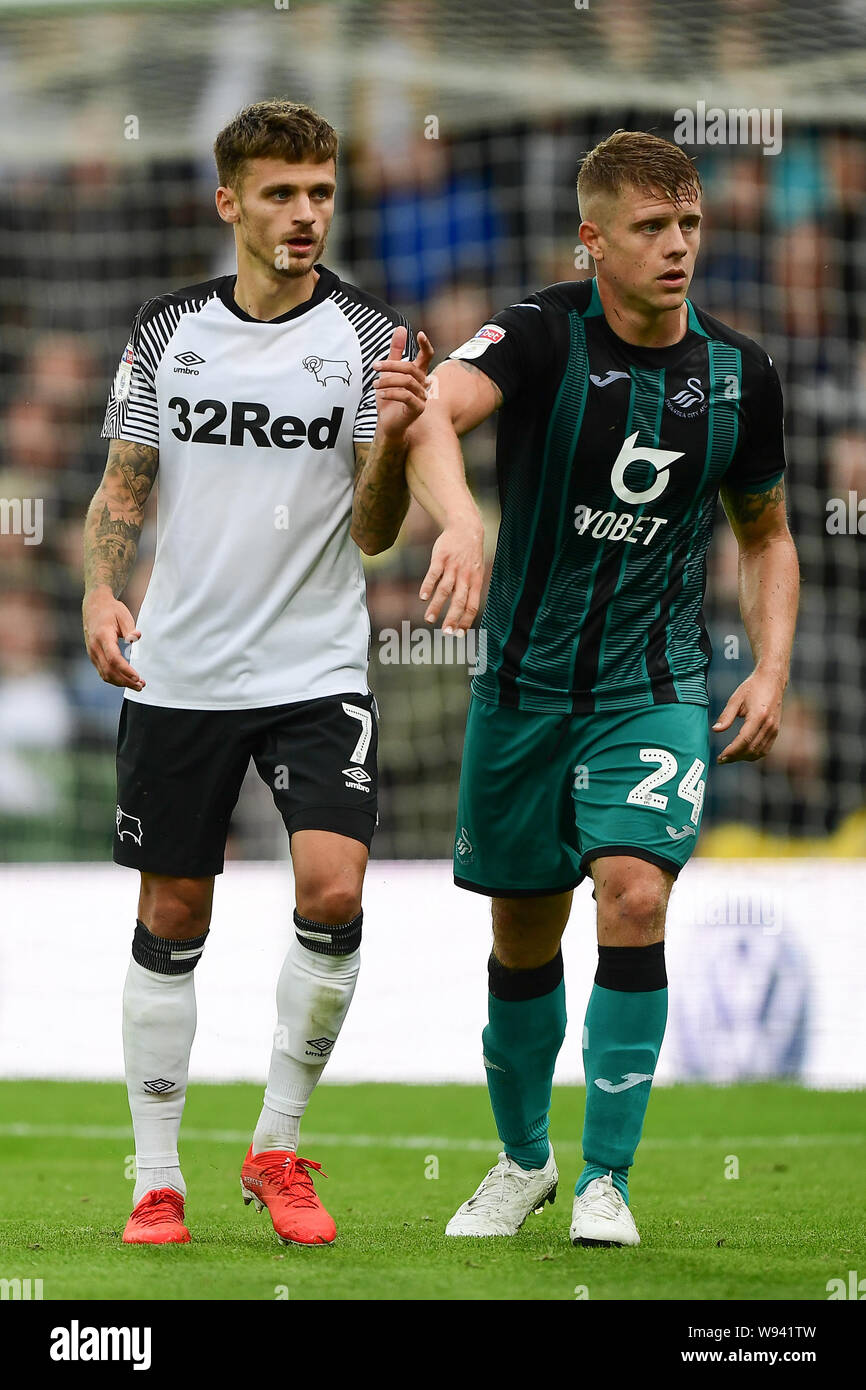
(401,387)
(456,572)
(106,622)
(758,702)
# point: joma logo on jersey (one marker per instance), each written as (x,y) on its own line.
(252,419)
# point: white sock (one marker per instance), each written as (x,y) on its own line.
(149,1178)
(275,1130)
(159,1018)
(314,992)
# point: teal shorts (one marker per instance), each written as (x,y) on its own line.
(542,795)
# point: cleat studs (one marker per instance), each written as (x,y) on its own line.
(548,1197)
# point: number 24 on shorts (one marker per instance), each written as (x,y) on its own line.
(691,788)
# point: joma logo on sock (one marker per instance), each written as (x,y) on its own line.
(629,1079)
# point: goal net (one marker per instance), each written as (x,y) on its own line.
(461,133)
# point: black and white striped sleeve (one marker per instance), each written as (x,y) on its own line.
(374,349)
(132,411)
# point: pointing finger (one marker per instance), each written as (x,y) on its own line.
(425,351)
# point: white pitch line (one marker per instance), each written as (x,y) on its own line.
(430,1142)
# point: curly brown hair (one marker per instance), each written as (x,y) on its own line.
(634,158)
(278,129)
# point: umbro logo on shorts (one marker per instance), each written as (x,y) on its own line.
(359,776)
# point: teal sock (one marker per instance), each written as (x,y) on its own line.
(525,1029)
(619,1177)
(622,1038)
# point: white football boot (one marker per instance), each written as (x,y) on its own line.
(504,1199)
(601,1216)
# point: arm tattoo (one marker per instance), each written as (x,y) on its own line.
(362,453)
(381,494)
(470,367)
(115,516)
(748,507)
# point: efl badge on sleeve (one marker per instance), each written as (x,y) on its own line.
(490,333)
(123,379)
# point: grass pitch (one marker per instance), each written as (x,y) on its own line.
(400,1159)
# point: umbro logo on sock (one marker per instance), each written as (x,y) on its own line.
(320,1046)
(159,1085)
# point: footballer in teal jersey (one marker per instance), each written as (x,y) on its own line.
(625,413)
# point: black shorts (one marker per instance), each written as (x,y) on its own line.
(179,775)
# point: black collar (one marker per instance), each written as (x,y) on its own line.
(324,288)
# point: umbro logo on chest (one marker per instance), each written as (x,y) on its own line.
(190,362)
(324,369)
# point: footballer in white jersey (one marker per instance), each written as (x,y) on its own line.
(274,406)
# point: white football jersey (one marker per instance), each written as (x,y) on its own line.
(257,595)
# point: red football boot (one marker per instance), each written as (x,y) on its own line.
(157,1219)
(282,1182)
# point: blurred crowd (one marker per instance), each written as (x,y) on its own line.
(448,230)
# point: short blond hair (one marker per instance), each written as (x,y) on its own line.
(634,158)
